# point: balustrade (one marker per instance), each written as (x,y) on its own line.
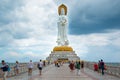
(23,69)
(115,71)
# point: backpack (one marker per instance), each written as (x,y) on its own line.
(8,68)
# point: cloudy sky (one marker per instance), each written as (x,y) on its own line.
(28,29)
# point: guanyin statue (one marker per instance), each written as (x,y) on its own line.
(62,27)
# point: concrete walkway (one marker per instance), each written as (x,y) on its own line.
(63,73)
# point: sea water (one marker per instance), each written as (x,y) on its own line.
(113,64)
(10,64)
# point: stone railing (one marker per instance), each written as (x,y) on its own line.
(115,71)
(23,68)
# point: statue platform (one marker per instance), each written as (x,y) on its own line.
(63,53)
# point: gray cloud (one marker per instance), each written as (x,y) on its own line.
(93,16)
(24,19)
(6,8)
(5,39)
(107,53)
(10,22)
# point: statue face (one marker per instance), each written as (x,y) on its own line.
(62,11)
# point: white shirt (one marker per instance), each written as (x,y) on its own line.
(30,65)
(40,64)
(17,66)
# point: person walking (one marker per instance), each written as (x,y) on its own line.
(95,67)
(102,64)
(82,65)
(44,63)
(99,67)
(16,68)
(40,66)
(4,68)
(30,67)
(77,66)
(72,66)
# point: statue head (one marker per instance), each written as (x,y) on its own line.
(62,12)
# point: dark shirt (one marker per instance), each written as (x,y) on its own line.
(102,65)
(77,65)
(4,67)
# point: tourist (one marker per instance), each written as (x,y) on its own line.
(44,63)
(77,66)
(72,66)
(16,68)
(102,64)
(48,62)
(99,67)
(95,67)
(62,62)
(55,62)
(4,69)
(40,66)
(30,67)
(82,65)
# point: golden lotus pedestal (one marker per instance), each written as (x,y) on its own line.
(62,54)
